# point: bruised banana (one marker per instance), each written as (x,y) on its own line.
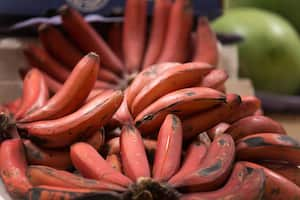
(66,130)
(13,168)
(268,146)
(178,77)
(43,175)
(72,94)
(182,102)
(244,183)
(91,165)
(35,93)
(61,193)
(254,124)
(168,150)
(133,156)
(213,170)
(276,187)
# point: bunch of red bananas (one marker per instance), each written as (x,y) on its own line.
(173,133)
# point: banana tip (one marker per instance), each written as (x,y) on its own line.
(93,55)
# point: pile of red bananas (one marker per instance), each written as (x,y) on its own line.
(170,131)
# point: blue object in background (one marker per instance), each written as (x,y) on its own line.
(32,8)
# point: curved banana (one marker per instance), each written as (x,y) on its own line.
(182,102)
(77,86)
(168,151)
(35,93)
(13,168)
(69,129)
(178,77)
(254,124)
(214,169)
(133,154)
(91,165)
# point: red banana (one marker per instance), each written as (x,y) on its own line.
(214,79)
(114,162)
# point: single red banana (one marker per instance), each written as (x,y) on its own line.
(133,154)
(43,175)
(134,33)
(244,183)
(123,115)
(217,129)
(214,79)
(290,172)
(178,77)
(203,121)
(114,161)
(59,46)
(214,169)
(87,38)
(175,47)
(159,29)
(59,159)
(35,93)
(272,147)
(60,193)
(144,77)
(207,45)
(168,150)
(97,139)
(77,86)
(13,168)
(254,124)
(276,187)
(39,58)
(195,154)
(69,129)
(249,106)
(114,39)
(183,102)
(91,165)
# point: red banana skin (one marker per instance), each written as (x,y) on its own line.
(244,183)
(194,156)
(77,86)
(175,47)
(291,173)
(39,58)
(114,161)
(269,146)
(203,121)
(134,33)
(13,105)
(59,159)
(45,192)
(35,93)
(123,115)
(78,28)
(114,39)
(71,128)
(13,168)
(250,105)
(168,150)
(178,77)
(43,175)
(214,169)
(214,79)
(183,102)
(158,31)
(218,129)
(91,165)
(206,49)
(133,153)
(65,52)
(254,124)
(276,187)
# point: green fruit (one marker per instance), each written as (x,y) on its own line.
(289,9)
(270,53)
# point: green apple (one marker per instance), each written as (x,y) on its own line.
(289,9)
(270,52)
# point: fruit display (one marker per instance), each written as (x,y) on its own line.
(270,42)
(153,123)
